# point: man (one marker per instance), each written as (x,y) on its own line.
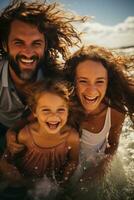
(32,35)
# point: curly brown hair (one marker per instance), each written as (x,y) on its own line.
(51,20)
(120,90)
(56,85)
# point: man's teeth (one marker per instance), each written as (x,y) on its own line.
(27,60)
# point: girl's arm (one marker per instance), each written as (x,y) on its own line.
(98,170)
(73,145)
(12,144)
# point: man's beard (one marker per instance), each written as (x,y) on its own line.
(28,74)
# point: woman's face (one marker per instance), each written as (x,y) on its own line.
(91,84)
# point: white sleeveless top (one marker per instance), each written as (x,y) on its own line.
(96,142)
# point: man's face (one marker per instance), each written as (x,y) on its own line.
(26,47)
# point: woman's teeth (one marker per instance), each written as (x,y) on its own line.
(90,99)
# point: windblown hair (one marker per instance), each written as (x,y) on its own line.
(57,86)
(50,19)
(120,90)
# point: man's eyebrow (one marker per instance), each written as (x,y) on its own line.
(17,39)
(38,40)
(81,77)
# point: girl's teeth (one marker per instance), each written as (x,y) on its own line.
(53,125)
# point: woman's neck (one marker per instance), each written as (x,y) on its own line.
(101,108)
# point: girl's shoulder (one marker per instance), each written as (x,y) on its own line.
(23,135)
(117,117)
(73,136)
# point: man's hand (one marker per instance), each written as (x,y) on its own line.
(12,144)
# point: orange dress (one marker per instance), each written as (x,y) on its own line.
(39,161)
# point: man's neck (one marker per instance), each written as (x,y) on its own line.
(17,81)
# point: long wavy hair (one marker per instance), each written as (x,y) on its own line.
(120,90)
(53,21)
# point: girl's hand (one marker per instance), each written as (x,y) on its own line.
(12,144)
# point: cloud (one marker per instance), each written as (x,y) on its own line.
(120,35)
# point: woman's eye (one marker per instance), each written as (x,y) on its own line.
(100,82)
(82,81)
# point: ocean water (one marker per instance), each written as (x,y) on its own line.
(118,181)
(116,184)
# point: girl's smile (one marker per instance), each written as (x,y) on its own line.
(51,112)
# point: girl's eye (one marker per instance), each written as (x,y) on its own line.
(61,110)
(46,110)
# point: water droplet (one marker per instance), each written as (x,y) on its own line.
(35,167)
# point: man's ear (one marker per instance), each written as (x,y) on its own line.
(4,45)
(46,44)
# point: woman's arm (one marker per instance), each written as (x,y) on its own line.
(117,120)
(99,169)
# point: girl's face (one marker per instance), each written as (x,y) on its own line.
(91,84)
(51,112)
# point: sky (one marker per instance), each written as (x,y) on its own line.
(112,25)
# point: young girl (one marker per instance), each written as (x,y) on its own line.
(51,145)
(105,90)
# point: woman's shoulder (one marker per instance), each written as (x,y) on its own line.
(117,116)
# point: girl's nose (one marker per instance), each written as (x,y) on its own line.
(54,116)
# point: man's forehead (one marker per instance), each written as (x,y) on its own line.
(22,29)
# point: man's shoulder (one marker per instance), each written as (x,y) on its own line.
(2,62)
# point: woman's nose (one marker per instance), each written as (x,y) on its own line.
(91,89)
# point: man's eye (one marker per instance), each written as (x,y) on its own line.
(37,44)
(18,43)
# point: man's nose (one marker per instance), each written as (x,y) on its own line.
(28,51)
